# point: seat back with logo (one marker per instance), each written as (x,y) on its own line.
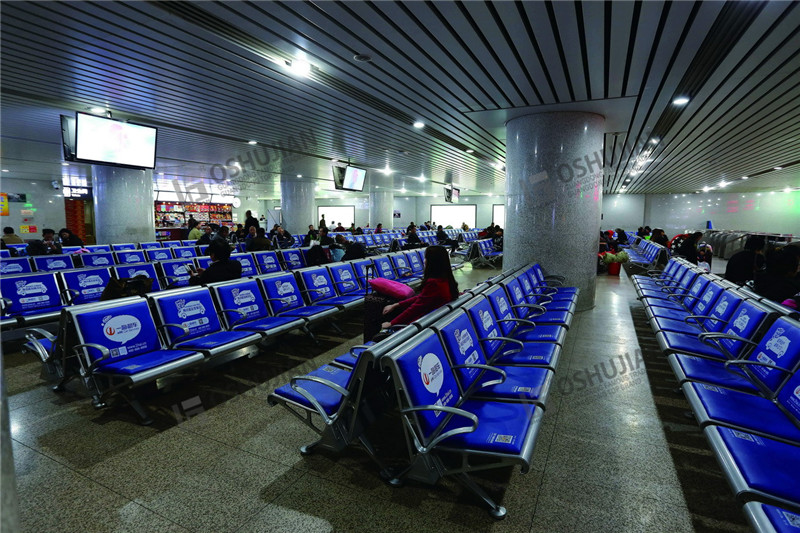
(158,254)
(85,285)
(243,296)
(415,263)
(293,259)
(154,245)
(461,344)
(369,240)
(30,294)
(789,398)
(126,330)
(484,321)
(779,346)
(171,244)
(344,277)
(317,283)
(202,262)
(124,246)
(248,264)
(175,272)
(48,263)
(502,308)
(706,300)
(267,262)
(364,269)
(184,252)
(282,292)
(98,259)
(130,256)
(748,321)
(192,308)
(147,270)
(401,265)
(95,248)
(383,267)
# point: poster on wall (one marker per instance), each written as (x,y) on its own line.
(396,214)
(3,204)
(29,229)
(17,197)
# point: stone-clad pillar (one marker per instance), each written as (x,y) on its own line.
(554,191)
(123,205)
(298,204)
(381,209)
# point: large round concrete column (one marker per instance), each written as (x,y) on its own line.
(381,209)
(297,204)
(123,205)
(554,189)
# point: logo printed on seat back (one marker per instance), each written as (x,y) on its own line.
(100,261)
(36,287)
(243,296)
(778,344)
(486,319)
(131,258)
(518,292)
(8,268)
(431,372)
(56,263)
(284,287)
(741,321)
(121,328)
(132,273)
(721,307)
(526,284)
(401,262)
(160,255)
(501,304)
(707,297)
(464,340)
(88,280)
(187,309)
(318,280)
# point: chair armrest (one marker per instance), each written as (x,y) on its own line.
(43,354)
(703,318)
(716,335)
(242,315)
(310,397)
(546,299)
(530,323)
(179,337)
(489,368)
(748,362)
(104,354)
(533,307)
(440,437)
(29,334)
(360,347)
(68,295)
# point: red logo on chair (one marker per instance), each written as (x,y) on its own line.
(432,373)
(110,331)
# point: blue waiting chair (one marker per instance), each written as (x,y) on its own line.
(15,265)
(147,270)
(84,285)
(129,256)
(49,263)
(243,307)
(30,299)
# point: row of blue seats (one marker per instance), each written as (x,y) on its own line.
(646,254)
(736,356)
(101,341)
(30,299)
(470,380)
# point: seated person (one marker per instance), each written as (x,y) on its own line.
(779,281)
(339,227)
(413,239)
(438,288)
(312,235)
(222,267)
(49,241)
(9,237)
(68,238)
(12,251)
(445,240)
(352,250)
(497,240)
(622,237)
(283,238)
(206,237)
(324,238)
(259,242)
(743,265)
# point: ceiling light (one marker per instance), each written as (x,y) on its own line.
(387,170)
(334,160)
(362,58)
(160,173)
(316,188)
(723,184)
(419,124)
(745,177)
(252,142)
(787,189)
(421,177)
(299,67)
(403,189)
(772,192)
(470,150)
(5,170)
(299,175)
(98,110)
(706,188)
(64,164)
(778,168)
(681,100)
(654,140)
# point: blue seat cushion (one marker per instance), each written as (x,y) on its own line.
(143,362)
(308,310)
(552,317)
(213,340)
(47,344)
(329,399)
(269,322)
(660,323)
(533,353)
(541,333)
(782,520)
(41,311)
(502,427)
(766,464)
(711,371)
(691,344)
(521,383)
(739,409)
(666,308)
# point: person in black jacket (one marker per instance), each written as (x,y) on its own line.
(222,267)
(445,240)
(68,238)
(250,220)
(688,248)
(743,265)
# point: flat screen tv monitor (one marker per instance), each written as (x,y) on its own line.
(451,195)
(349,178)
(112,142)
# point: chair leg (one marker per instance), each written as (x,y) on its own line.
(310,334)
(139,409)
(335,326)
(497,512)
(385,472)
(308,449)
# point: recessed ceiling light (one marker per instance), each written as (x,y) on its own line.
(362,58)
(252,142)
(97,110)
(707,188)
(316,188)
(778,168)
(470,150)
(387,170)
(5,170)
(419,124)
(299,175)
(334,160)
(681,100)
(787,189)
(299,67)
(723,184)
(772,192)
(421,177)
(745,177)
(403,189)
(654,140)
(64,164)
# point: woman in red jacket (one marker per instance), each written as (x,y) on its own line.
(438,287)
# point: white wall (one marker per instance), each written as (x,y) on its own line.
(483,205)
(47,202)
(776,212)
(625,211)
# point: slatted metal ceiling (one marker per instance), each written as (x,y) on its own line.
(211,75)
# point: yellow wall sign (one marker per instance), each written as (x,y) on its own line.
(3,204)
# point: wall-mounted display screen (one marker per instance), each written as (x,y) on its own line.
(112,142)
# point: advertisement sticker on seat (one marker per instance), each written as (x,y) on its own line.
(122,328)
(431,372)
(778,344)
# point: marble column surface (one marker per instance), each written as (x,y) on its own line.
(123,205)
(381,208)
(298,204)
(554,190)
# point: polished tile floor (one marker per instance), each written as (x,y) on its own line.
(615,453)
